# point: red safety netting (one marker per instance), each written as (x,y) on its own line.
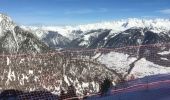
(39,72)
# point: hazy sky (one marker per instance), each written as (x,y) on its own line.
(66,12)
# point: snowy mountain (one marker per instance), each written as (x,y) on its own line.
(30,72)
(104,32)
(139,60)
(83,69)
(156,25)
(14,39)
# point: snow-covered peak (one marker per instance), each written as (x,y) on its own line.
(6,24)
(3,16)
(155,25)
(43,30)
(122,25)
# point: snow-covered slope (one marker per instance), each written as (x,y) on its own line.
(14,39)
(122,62)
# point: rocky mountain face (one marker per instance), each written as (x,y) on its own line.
(56,40)
(91,40)
(14,39)
(118,50)
(105,34)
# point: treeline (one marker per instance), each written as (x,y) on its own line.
(70,94)
(104,89)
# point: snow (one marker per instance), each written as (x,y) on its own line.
(37,48)
(22,61)
(0,26)
(8,61)
(86,38)
(1,19)
(85,84)
(164,59)
(116,61)
(83,43)
(23,79)
(31,72)
(155,25)
(10,76)
(164,52)
(0,30)
(6,24)
(66,80)
(40,31)
(139,41)
(145,68)
(120,62)
(125,33)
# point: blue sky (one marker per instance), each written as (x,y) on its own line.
(71,12)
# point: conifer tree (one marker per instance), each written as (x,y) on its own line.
(105,86)
(71,93)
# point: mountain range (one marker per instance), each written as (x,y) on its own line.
(133,46)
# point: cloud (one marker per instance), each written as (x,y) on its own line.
(86,11)
(165,11)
